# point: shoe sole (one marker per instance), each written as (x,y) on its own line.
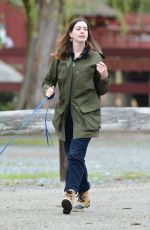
(81,208)
(67,206)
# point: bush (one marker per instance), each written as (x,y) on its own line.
(7,101)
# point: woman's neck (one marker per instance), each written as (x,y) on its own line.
(78,47)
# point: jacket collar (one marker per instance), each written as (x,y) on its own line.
(84,54)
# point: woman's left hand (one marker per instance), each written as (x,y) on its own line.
(102,69)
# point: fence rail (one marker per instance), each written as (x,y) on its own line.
(113,119)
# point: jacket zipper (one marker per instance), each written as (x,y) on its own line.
(73,64)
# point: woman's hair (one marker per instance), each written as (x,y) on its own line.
(64,45)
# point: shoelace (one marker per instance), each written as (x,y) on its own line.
(69,194)
(81,197)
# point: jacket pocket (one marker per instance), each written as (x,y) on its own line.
(91,118)
(58,119)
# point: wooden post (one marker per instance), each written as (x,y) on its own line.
(62,161)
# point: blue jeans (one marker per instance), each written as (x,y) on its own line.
(75,149)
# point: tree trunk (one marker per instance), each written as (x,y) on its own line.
(40,49)
(22,102)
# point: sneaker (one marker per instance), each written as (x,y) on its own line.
(67,202)
(83,201)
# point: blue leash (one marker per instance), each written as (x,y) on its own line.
(26,123)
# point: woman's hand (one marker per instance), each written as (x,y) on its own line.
(102,69)
(50,91)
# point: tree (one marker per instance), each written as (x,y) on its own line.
(138,6)
(43,17)
(128,6)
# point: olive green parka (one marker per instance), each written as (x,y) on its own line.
(80,87)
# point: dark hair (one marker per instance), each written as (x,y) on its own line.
(64,44)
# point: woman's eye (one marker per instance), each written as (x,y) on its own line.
(85,29)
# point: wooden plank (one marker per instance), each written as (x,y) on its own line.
(127,52)
(6,87)
(128,64)
(108,51)
(13,52)
(126,119)
(19,116)
(130,88)
(112,118)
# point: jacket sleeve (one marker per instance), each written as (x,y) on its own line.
(101,86)
(51,76)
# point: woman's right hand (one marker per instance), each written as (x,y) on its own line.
(50,91)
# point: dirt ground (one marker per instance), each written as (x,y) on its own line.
(114,207)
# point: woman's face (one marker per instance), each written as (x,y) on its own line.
(80,32)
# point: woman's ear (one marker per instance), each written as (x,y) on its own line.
(70,34)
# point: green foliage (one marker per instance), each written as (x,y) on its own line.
(8,106)
(1,44)
(6,101)
(32,16)
(31,12)
(72,7)
(66,13)
(1,25)
(18,3)
(130,5)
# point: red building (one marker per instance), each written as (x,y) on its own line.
(126,52)
(14,21)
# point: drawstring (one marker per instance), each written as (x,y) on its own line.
(26,123)
(47,134)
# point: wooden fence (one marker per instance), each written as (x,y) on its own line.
(113,119)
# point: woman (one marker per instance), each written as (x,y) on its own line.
(82,77)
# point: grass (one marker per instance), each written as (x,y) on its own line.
(134,175)
(98,176)
(33,176)
(93,176)
(31,140)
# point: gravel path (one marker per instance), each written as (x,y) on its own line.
(116,205)
(122,207)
